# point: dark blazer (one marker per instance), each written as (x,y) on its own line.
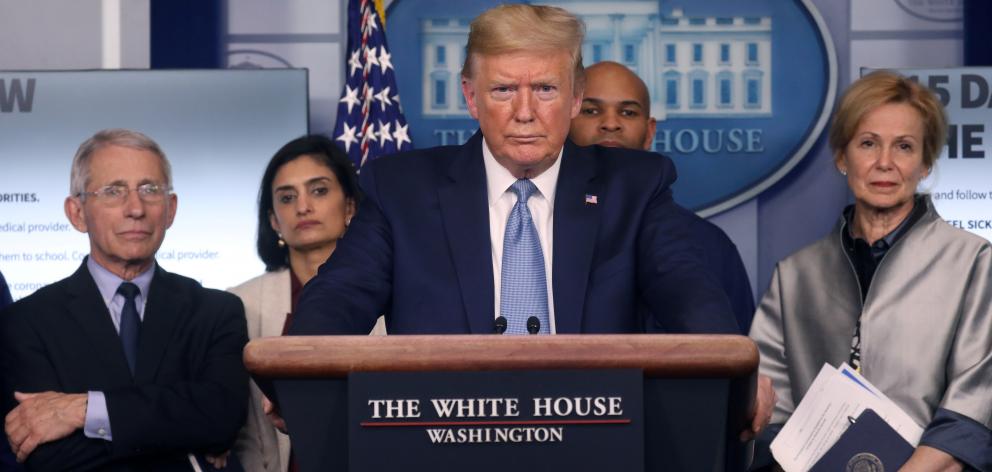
(7,462)
(190,389)
(4,293)
(419,250)
(720,258)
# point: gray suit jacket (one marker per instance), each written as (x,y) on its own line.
(926,332)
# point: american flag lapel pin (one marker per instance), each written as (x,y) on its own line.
(591,199)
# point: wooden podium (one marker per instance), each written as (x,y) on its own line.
(697,388)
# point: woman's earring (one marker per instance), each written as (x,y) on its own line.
(843,172)
(280,242)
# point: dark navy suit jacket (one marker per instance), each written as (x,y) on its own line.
(720,257)
(419,251)
(189,391)
(4,293)
(7,462)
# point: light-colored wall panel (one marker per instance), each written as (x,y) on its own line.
(67,35)
(50,34)
(288,16)
(135,34)
(906,15)
(322,59)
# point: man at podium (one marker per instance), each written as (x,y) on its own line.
(517,228)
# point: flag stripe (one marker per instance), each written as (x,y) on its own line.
(370,121)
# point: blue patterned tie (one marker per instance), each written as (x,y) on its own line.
(523,285)
(130,323)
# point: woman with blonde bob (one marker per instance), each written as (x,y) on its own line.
(893,290)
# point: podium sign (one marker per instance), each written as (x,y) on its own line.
(686,397)
(496,420)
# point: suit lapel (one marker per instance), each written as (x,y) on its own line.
(167,303)
(576,224)
(276,302)
(465,217)
(90,313)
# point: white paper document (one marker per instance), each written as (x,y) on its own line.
(836,396)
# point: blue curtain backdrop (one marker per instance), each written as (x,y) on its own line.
(187,34)
(977,33)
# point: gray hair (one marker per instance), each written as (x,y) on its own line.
(80,175)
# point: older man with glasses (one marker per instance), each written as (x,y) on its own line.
(122,365)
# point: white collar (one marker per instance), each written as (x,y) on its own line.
(499,179)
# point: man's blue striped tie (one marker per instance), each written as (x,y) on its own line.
(523,284)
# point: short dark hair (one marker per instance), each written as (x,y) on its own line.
(324,151)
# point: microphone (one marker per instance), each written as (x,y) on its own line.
(533,325)
(500,324)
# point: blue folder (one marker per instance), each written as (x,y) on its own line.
(868,444)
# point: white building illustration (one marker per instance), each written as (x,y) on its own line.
(444,42)
(703,67)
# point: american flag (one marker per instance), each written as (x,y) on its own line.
(370,122)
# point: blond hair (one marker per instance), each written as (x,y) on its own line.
(881,88)
(516,27)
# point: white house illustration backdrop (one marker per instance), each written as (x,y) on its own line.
(693,66)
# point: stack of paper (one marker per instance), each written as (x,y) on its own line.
(836,397)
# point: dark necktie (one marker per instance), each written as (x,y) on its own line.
(130,323)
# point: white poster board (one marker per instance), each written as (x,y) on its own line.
(962,182)
(218,128)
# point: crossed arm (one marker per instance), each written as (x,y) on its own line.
(41,418)
(198,412)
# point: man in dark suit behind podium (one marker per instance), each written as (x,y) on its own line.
(122,365)
(616,112)
(518,223)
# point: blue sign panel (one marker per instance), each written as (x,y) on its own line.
(496,421)
(741,90)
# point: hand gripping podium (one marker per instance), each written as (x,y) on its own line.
(356,403)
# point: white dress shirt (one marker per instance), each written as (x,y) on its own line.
(541,205)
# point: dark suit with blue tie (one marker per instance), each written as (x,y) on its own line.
(419,250)
(189,391)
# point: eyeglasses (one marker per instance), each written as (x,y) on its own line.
(114,195)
